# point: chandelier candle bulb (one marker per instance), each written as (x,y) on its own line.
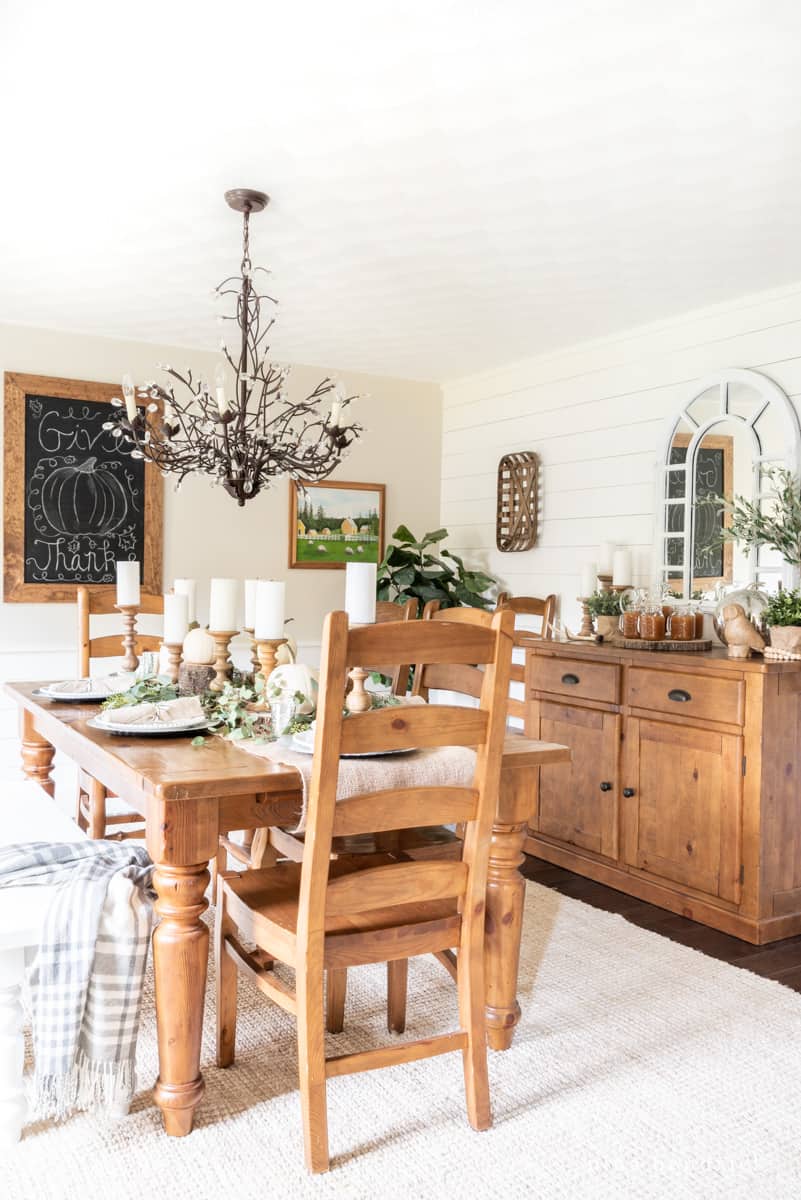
(589,579)
(222,605)
(621,568)
(251,586)
(176,618)
(129,394)
(360,588)
(128,589)
(188,588)
(336,413)
(269,617)
(606,554)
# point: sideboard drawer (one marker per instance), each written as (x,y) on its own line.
(575,677)
(708,697)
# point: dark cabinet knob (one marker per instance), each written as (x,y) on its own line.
(628,792)
(606,786)
(679,695)
(571,679)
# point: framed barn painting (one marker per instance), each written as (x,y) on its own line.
(74,500)
(331,524)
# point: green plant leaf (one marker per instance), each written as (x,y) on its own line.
(198,741)
(403,534)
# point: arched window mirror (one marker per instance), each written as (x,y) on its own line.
(734,426)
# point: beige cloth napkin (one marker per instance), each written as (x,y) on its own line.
(98,685)
(164,712)
(445,766)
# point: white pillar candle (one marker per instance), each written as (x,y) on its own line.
(128,584)
(360,593)
(176,618)
(336,413)
(188,588)
(222,606)
(621,568)
(251,586)
(589,579)
(606,554)
(269,620)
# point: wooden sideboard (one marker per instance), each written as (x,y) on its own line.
(684,787)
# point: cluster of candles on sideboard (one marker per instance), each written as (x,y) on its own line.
(264,615)
(611,572)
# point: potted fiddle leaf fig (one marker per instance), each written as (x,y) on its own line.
(415,568)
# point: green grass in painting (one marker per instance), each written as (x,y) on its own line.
(335,551)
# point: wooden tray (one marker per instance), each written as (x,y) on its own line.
(697,644)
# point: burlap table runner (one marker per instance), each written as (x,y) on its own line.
(444,766)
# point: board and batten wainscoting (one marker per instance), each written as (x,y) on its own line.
(596,414)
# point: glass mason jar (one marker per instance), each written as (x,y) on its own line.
(652,624)
(682,625)
(630,622)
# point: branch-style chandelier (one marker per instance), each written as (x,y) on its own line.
(245,431)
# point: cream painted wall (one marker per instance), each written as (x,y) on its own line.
(205,533)
(595,414)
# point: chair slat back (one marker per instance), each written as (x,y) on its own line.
(387,610)
(531,606)
(92,601)
(404,808)
(485,639)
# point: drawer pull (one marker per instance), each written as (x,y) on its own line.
(571,679)
(606,786)
(628,793)
(679,695)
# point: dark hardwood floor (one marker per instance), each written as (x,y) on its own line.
(778,960)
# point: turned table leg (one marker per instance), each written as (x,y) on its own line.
(506,891)
(180,958)
(37,754)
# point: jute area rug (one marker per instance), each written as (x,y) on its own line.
(640,1069)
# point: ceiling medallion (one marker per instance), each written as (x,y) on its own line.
(243,431)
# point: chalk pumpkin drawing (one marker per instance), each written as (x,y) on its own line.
(84,498)
(85,495)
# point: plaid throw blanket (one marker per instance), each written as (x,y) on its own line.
(85,979)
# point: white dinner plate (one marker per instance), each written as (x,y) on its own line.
(304,744)
(165,728)
(73,697)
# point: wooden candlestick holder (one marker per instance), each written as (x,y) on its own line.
(254,653)
(174,655)
(267,651)
(222,661)
(129,614)
(605,582)
(358,699)
(586,630)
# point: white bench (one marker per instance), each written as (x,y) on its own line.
(29,815)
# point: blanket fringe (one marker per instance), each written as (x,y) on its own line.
(105,1086)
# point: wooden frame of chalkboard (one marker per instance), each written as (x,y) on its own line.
(721,448)
(73,501)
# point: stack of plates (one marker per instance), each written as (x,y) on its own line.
(166,728)
(87,691)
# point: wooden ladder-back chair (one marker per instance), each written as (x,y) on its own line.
(529,606)
(93,813)
(320,914)
(258,848)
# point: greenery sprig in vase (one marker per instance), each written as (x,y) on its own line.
(777,525)
(605,604)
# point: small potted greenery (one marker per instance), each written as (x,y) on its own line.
(605,608)
(783,620)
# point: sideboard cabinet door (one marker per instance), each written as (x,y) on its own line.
(578,801)
(682,805)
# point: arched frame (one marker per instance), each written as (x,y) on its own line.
(770,398)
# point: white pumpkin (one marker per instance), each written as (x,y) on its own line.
(287,653)
(199,647)
(293,678)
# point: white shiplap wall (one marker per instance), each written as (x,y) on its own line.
(595,415)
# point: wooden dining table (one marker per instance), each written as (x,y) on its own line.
(189,796)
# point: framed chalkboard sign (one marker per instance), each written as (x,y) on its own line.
(74,501)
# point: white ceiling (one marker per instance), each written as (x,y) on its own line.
(455,184)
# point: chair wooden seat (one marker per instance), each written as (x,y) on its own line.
(257,901)
(325,914)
